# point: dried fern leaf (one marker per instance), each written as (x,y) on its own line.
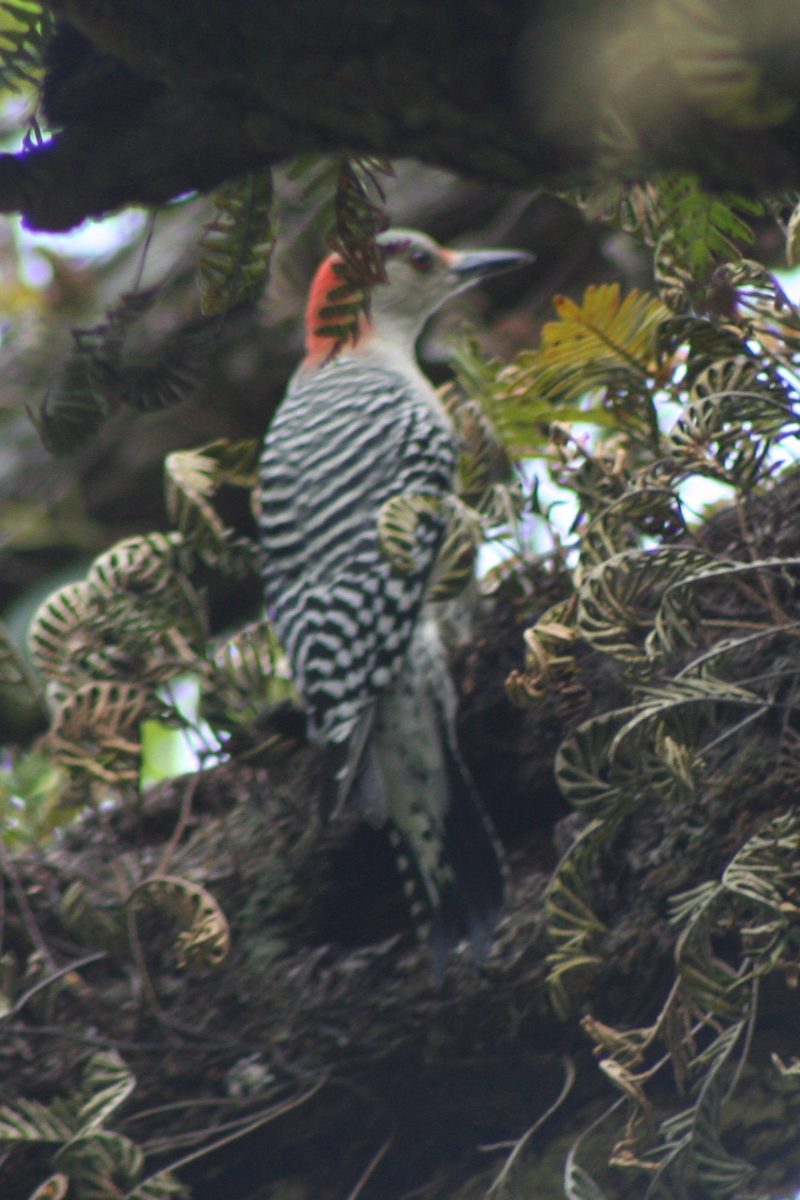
(455,563)
(248,673)
(192,478)
(236,247)
(205,938)
(58,638)
(143,565)
(95,730)
(398,521)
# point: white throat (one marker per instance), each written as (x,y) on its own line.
(398,355)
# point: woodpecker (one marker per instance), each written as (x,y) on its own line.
(360,424)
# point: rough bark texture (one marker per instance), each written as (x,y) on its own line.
(152,100)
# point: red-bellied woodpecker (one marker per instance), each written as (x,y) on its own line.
(361,424)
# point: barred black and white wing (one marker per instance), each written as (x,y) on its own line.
(346,439)
(366,660)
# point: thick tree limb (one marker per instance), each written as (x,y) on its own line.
(156,99)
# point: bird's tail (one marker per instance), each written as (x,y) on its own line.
(411,772)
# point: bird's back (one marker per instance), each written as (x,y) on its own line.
(347,438)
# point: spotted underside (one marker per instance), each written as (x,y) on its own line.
(347,438)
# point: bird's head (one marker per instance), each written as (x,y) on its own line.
(420,276)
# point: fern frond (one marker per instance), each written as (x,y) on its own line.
(97,376)
(95,730)
(161,1186)
(12,667)
(676,694)
(398,521)
(359,218)
(704,49)
(101,1165)
(572,926)
(617,598)
(31,1121)
(54,1188)
(192,478)
(673,624)
(205,938)
(57,636)
(701,226)
(455,563)
(25,30)
(578,1184)
(582,761)
(107,1084)
(236,247)
(143,565)
(590,343)
(248,674)
(766,870)
(691,1147)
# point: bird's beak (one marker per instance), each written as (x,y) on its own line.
(479,264)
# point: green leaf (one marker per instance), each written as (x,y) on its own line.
(236,248)
(701,226)
(31,1121)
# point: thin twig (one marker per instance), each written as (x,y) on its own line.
(93,1040)
(43,983)
(148,237)
(232,1137)
(374,1163)
(203,1102)
(748,1041)
(178,1141)
(25,909)
(569,1079)
(748,720)
(183,817)
(141,967)
(570,1161)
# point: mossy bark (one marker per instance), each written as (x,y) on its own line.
(153,100)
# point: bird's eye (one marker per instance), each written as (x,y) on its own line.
(421,260)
